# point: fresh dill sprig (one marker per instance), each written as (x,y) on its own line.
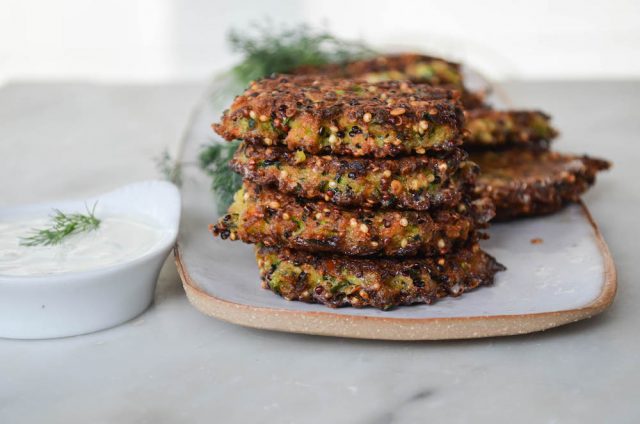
(62,225)
(214,160)
(171,169)
(267,51)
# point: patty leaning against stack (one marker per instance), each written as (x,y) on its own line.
(530,181)
(519,173)
(356,193)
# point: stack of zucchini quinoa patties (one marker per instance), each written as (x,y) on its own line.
(518,171)
(356,193)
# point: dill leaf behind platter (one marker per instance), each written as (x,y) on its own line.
(170,168)
(214,160)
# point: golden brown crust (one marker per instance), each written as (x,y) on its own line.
(485,126)
(525,182)
(382,283)
(420,182)
(262,215)
(404,66)
(417,68)
(321,115)
(491,128)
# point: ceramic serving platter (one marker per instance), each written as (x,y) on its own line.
(559,270)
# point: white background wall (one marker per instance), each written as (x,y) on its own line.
(156,40)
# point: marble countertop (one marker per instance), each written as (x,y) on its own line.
(173,364)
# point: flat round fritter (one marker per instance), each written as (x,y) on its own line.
(485,127)
(404,66)
(412,67)
(381,283)
(524,182)
(491,128)
(419,182)
(263,215)
(322,115)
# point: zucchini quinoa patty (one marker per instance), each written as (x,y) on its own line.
(262,215)
(485,126)
(321,116)
(381,283)
(491,128)
(404,66)
(525,182)
(415,182)
(412,67)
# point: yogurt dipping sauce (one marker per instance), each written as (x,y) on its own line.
(118,239)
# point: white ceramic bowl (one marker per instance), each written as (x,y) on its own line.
(72,303)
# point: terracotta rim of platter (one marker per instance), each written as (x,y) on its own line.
(328,323)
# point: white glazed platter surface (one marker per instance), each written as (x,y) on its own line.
(568,277)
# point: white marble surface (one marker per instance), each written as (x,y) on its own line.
(173,364)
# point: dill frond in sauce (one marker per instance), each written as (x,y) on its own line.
(61,226)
